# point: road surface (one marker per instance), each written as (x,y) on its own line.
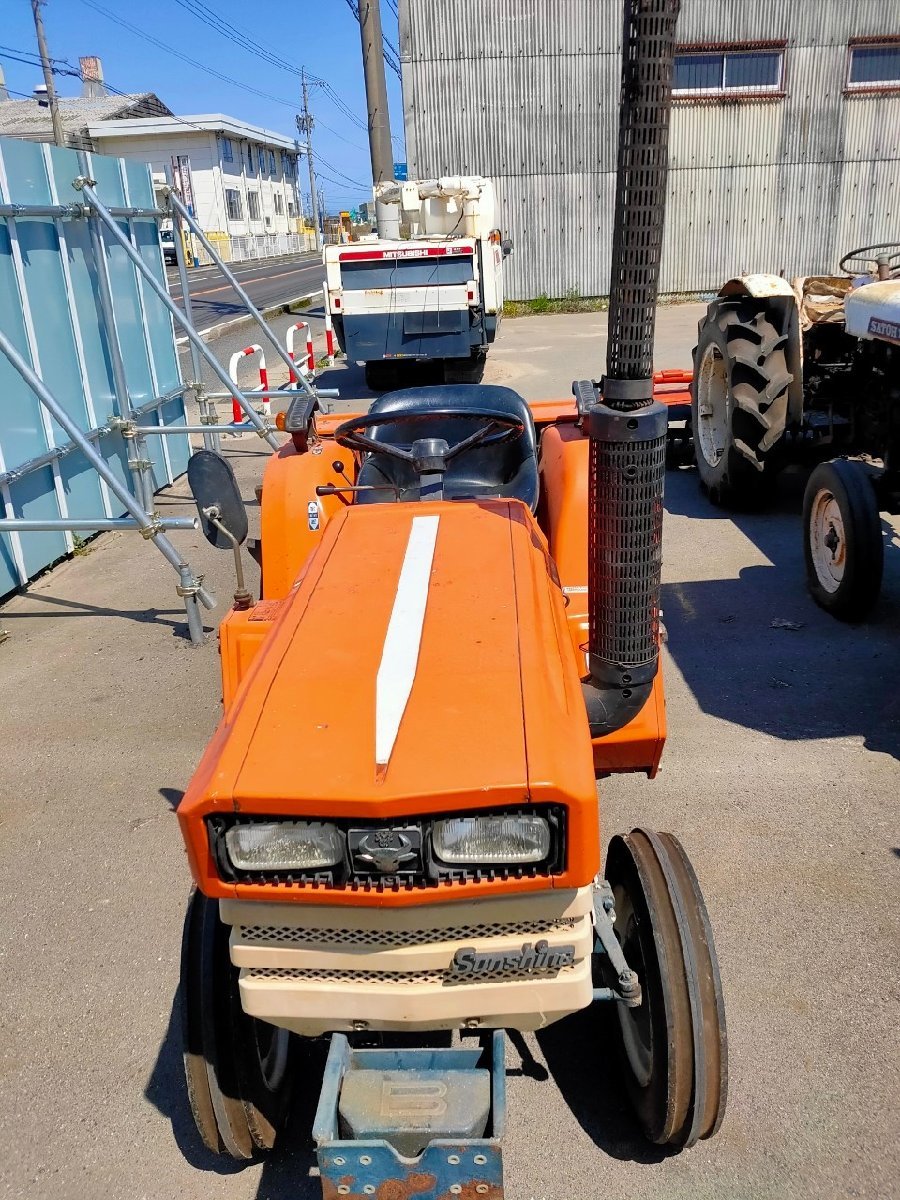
(781,777)
(270,281)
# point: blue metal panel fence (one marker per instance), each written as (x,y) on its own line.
(49,310)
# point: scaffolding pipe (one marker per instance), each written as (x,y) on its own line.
(55,453)
(74,211)
(211,441)
(254,312)
(135,448)
(173,430)
(217,368)
(101,524)
(190,587)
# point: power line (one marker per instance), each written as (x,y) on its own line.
(292,104)
(389,51)
(244,40)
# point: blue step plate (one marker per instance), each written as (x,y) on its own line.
(414,1120)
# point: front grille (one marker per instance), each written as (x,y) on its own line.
(398,979)
(425,872)
(398,939)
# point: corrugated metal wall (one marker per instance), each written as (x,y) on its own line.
(49,309)
(528,94)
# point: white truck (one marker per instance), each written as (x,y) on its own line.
(436,296)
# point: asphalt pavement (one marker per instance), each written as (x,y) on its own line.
(781,777)
(268,282)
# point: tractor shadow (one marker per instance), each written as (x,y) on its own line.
(756,650)
(290,1172)
(578,1053)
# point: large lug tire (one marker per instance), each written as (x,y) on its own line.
(842,539)
(739,399)
(672,1048)
(238,1070)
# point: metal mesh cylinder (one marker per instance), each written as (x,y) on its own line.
(644,108)
(627,466)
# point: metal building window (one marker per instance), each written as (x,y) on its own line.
(233,205)
(874,65)
(291,209)
(271,162)
(253,205)
(728,72)
(227,150)
(249,158)
(279,205)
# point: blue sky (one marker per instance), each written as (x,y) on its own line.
(321,35)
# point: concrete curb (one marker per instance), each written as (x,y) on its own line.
(273,310)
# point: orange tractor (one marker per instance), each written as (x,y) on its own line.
(394,831)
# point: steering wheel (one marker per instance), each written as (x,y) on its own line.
(497,427)
(864,254)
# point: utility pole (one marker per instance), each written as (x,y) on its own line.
(305,125)
(380,148)
(58,137)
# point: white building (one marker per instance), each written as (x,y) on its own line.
(239,180)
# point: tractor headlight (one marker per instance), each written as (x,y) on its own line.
(283,846)
(513,838)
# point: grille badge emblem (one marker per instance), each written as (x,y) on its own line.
(386,851)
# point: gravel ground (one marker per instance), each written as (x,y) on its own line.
(780,776)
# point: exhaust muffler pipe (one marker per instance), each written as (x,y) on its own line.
(627,430)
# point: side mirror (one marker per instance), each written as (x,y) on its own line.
(506,247)
(218,497)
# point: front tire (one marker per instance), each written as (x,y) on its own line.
(238,1069)
(673,1047)
(842,544)
(739,400)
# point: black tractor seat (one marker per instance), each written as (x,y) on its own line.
(508,469)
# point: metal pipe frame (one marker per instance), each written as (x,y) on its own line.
(135,447)
(101,524)
(190,588)
(218,370)
(264,392)
(172,430)
(211,441)
(57,452)
(74,211)
(251,308)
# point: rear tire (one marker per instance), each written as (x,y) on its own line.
(238,1070)
(465,370)
(739,400)
(673,1047)
(842,541)
(382,376)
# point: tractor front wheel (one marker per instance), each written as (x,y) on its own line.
(673,1046)
(843,546)
(238,1070)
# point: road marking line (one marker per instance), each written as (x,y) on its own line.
(400,654)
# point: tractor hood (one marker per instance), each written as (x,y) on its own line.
(873,311)
(422,664)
